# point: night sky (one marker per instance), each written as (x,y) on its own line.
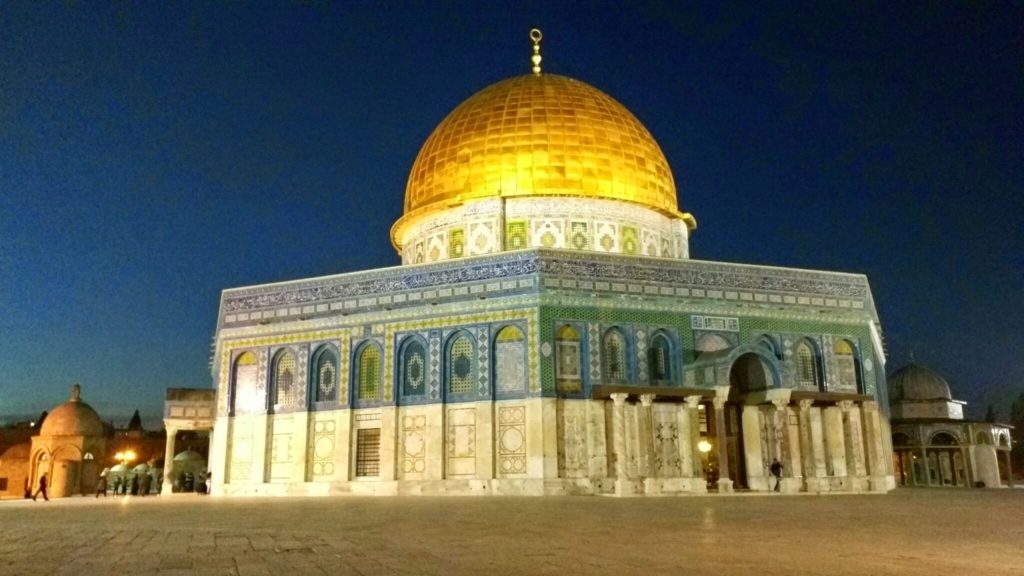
(152,156)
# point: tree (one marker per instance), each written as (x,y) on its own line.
(136,422)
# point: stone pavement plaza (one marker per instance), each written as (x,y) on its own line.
(906,532)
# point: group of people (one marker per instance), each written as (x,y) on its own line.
(139,485)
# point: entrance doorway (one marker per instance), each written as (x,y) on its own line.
(749,373)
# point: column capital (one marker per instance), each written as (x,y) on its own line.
(805,405)
(719,402)
(646,399)
(693,401)
(869,405)
(780,404)
(619,398)
(845,405)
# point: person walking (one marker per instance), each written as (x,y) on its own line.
(144,484)
(101,486)
(42,489)
(776,469)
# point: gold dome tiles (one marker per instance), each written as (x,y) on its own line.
(541,135)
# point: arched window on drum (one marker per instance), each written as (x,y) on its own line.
(659,359)
(413,368)
(808,369)
(246,398)
(284,385)
(368,373)
(848,366)
(613,349)
(461,365)
(325,375)
(510,361)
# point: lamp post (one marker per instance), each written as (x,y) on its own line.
(711,476)
(123,458)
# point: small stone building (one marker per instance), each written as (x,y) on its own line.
(69,449)
(933,445)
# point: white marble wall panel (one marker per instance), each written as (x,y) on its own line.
(461,442)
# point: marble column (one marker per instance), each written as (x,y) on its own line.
(724,481)
(807,447)
(645,427)
(854,454)
(646,435)
(685,442)
(168,484)
(1009,469)
(693,411)
(875,446)
(622,484)
(790,482)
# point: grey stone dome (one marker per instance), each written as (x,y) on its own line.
(913,382)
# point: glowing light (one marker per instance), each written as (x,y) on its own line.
(704,446)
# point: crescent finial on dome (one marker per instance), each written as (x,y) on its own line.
(536,36)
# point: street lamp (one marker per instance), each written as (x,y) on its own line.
(125,457)
(704,446)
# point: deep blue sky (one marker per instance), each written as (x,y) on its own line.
(152,156)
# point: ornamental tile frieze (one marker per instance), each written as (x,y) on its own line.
(355,285)
(710,275)
(408,286)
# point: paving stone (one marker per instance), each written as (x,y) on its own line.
(907,532)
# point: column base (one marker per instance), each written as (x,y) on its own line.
(724,486)
(817,485)
(791,485)
(626,487)
(878,484)
(652,486)
(859,483)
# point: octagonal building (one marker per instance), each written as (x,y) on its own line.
(548,333)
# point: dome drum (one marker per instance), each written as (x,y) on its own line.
(494,225)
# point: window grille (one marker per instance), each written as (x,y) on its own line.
(659,359)
(615,356)
(806,368)
(369,373)
(460,366)
(414,370)
(284,379)
(368,452)
(327,378)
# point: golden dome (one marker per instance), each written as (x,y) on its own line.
(540,135)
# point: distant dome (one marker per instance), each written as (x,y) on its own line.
(16,452)
(188,456)
(913,382)
(72,418)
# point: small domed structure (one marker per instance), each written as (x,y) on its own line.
(914,382)
(73,418)
(69,448)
